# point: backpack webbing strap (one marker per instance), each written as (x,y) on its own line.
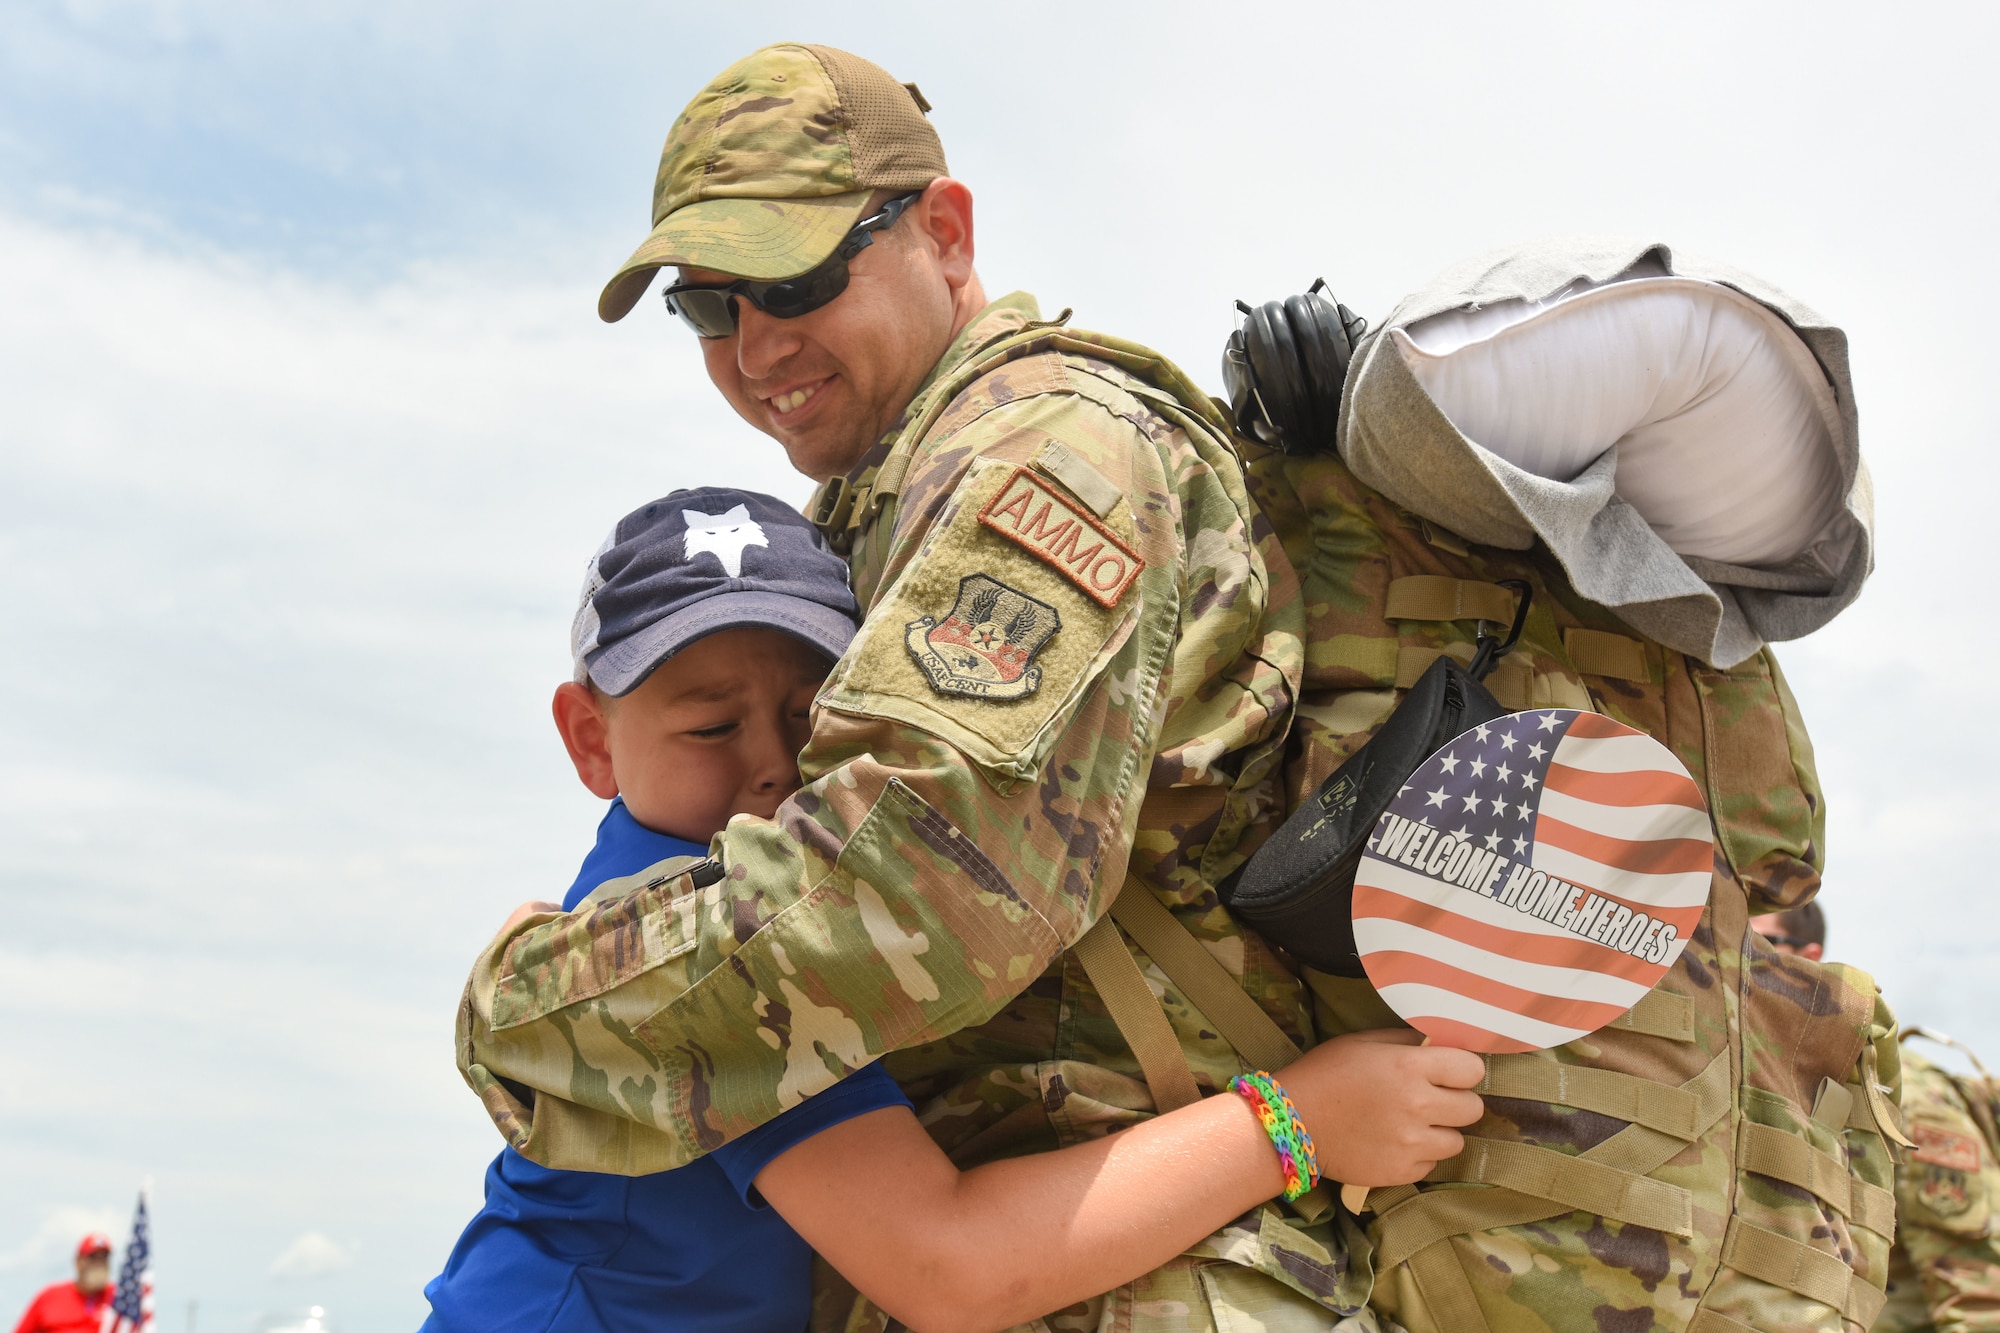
(1708,1321)
(1203,983)
(1596,652)
(1411,1221)
(1512,681)
(1134,1008)
(1577,1183)
(1605,1091)
(1206,984)
(1797,1267)
(1446,1290)
(1440,597)
(1888,1119)
(1773,1152)
(1659,1013)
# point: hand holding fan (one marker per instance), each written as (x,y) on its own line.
(1531,882)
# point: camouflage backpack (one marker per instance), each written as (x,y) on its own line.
(1715,1159)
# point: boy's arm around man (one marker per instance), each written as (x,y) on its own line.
(957,830)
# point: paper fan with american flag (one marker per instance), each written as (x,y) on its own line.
(1532,881)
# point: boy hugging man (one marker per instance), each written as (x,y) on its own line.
(708,622)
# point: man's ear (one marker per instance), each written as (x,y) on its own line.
(1813,952)
(947,218)
(586,735)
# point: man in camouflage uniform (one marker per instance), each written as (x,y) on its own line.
(1078,667)
(1944,1272)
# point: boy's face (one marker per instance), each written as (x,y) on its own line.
(715,731)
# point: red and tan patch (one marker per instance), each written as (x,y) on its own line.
(1944,1147)
(1064,535)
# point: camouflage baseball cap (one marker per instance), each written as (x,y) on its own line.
(773,162)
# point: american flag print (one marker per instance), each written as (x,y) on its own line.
(1532,881)
(131,1308)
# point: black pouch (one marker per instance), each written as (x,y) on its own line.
(1298,890)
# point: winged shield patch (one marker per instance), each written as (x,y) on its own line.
(985,648)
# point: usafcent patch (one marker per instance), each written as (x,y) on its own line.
(985,647)
(1048,523)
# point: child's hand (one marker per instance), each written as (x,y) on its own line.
(1381,1109)
(526,910)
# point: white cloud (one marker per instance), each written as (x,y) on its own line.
(311,1255)
(53,1243)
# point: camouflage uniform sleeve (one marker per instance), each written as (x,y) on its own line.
(1945,1199)
(973,783)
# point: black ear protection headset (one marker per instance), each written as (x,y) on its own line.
(1285,366)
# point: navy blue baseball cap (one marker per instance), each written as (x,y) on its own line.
(697,562)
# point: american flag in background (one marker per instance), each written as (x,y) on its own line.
(131,1308)
(1532,881)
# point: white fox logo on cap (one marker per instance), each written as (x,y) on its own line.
(723,536)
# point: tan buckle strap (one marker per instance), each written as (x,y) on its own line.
(1596,652)
(1814,1274)
(1576,1182)
(1770,1151)
(1871,1111)
(1205,983)
(1625,1097)
(832,504)
(1888,1118)
(1659,1013)
(1436,597)
(1136,1010)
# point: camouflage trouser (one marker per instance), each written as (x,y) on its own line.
(1205,1296)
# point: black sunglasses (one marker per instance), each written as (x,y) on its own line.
(711,311)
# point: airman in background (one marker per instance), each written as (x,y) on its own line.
(1800,932)
(1944,1272)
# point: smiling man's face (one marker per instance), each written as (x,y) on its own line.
(827,385)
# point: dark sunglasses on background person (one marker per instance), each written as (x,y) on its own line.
(711,311)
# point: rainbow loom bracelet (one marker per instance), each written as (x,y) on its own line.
(1267,1097)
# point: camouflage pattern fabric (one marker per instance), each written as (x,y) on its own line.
(1080,657)
(1944,1272)
(766,169)
(1622,1182)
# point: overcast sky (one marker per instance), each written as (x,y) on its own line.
(307,426)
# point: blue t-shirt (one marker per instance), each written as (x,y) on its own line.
(688,1249)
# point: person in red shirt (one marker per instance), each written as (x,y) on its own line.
(75,1307)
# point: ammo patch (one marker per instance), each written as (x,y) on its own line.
(1944,1147)
(1052,526)
(985,648)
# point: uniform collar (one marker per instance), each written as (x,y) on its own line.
(836,506)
